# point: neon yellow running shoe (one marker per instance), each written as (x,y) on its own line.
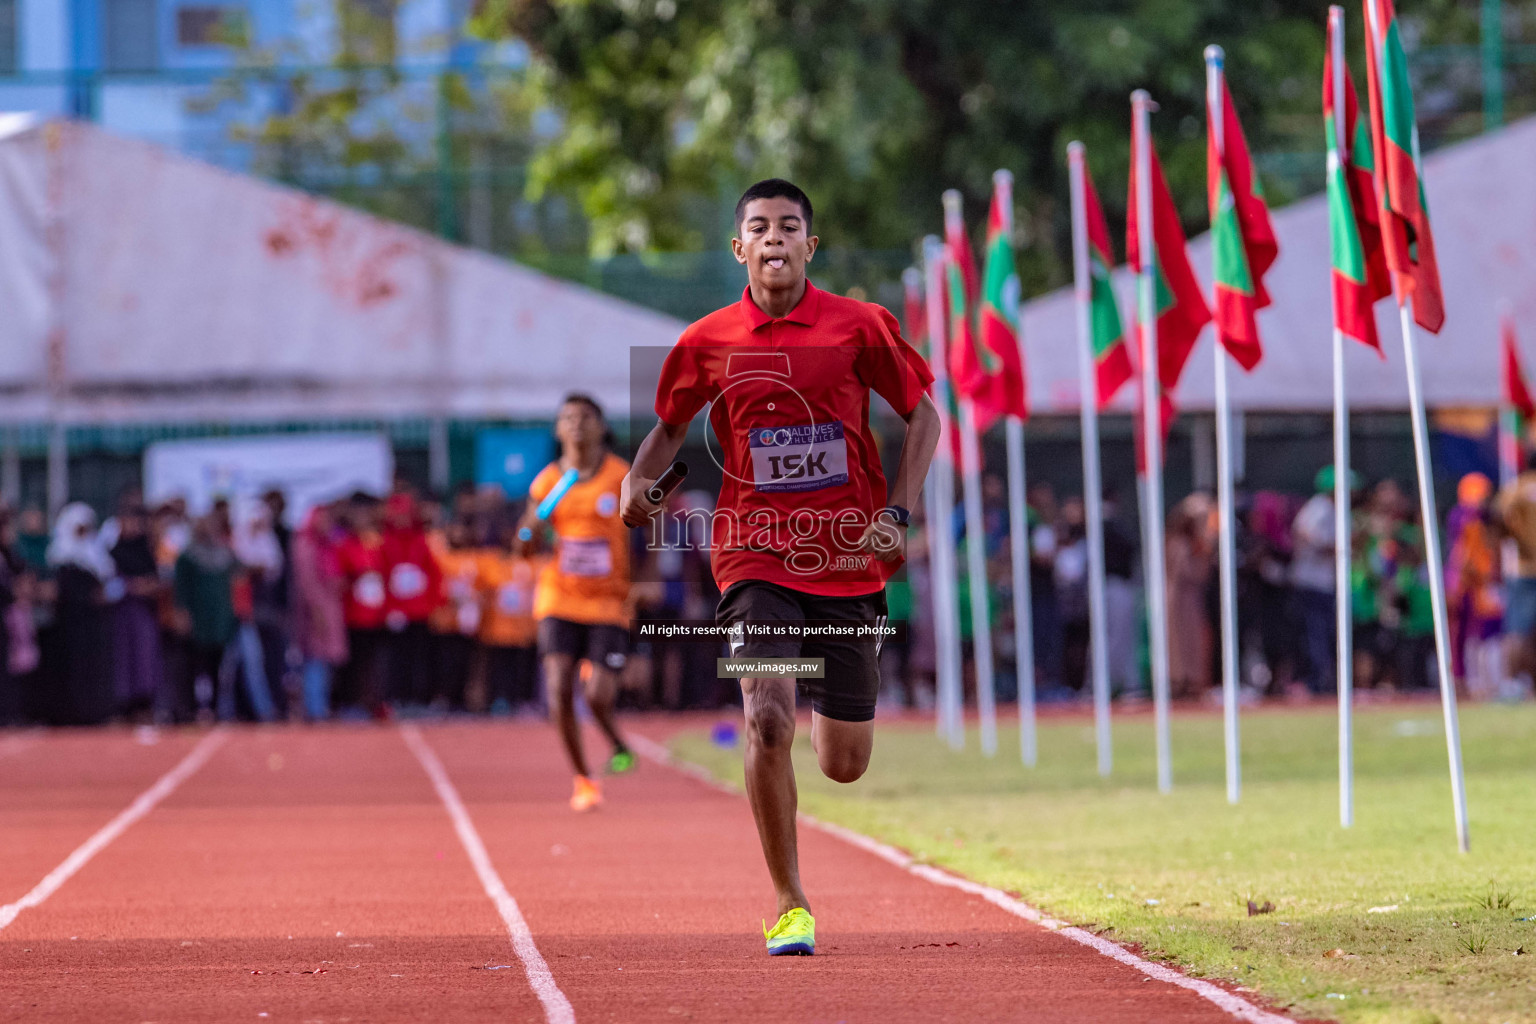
(794,935)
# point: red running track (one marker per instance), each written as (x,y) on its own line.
(315,876)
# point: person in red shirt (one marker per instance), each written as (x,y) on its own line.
(362,564)
(413,584)
(805,532)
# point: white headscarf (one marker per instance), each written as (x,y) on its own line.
(256,546)
(75,542)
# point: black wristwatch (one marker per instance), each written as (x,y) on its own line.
(897,514)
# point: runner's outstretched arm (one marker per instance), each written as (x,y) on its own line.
(917,450)
(652,459)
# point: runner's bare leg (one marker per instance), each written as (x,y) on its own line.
(602,691)
(770,713)
(560,676)
(842,748)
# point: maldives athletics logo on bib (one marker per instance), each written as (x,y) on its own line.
(800,458)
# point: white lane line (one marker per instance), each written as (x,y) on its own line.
(557,1008)
(1232,1003)
(142,805)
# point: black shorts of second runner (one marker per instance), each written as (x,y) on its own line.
(851,681)
(600,643)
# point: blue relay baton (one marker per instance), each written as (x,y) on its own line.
(547,506)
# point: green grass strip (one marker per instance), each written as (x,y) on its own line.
(1382,922)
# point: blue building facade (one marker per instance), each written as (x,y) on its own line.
(147,68)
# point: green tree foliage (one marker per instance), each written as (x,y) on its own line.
(876,106)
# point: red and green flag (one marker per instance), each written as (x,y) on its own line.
(1410,246)
(1519,409)
(984,360)
(1111,353)
(1517,395)
(968,365)
(1360,275)
(1243,244)
(1181,308)
(998,317)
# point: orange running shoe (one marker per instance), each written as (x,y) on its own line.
(586,794)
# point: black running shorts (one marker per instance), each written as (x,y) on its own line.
(601,644)
(851,682)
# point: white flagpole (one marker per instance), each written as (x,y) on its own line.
(1434,564)
(932,518)
(1509,434)
(1226,530)
(1093,487)
(1342,532)
(1509,446)
(1023,613)
(975,541)
(913,284)
(976,563)
(1152,426)
(1018,538)
(1431,522)
(946,599)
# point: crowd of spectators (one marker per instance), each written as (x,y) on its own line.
(1286,594)
(402,605)
(368,608)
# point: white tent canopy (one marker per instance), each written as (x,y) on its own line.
(139,285)
(1482,199)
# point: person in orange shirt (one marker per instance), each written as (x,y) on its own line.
(580,598)
(507,582)
(457,619)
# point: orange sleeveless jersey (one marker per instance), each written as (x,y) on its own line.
(587,580)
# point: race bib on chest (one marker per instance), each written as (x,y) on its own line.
(368,591)
(512,599)
(407,581)
(590,557)
(799,458)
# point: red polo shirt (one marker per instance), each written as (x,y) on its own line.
(789,404)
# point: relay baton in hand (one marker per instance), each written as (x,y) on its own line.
(547,506)
(667,482)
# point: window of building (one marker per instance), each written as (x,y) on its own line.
(212,25)
(9,58)
(130,38)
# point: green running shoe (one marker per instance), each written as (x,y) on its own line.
(622,761)
(794,935)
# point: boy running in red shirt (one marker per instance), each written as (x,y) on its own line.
(804,531)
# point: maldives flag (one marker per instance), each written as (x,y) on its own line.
(1359,164)
(998,318)
(1111,354)
(1360,275)
(992,380)
(1243,245)
(1181,309)
(1516,395)
(968,366)
(1410,246)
